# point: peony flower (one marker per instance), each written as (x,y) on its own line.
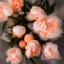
(32,49)
(53,29)
(35,13)
(47,27)
(39,25)
(28,37)
(50,51)
(16,4)
(19,31)
(14,55)
(5,11)
(22,44)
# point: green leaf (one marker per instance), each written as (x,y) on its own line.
(25,8)
(35,4)
(52,8)
(13,42)
(32,60)
(4,25)
(28,3)
(16,40)
(47,4)
(47,9)
(42,3)
(10,44)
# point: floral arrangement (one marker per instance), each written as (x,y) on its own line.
(30,30)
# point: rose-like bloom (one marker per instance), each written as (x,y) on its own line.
(32,49)
(16,4)
(50,51)
(35,13)
(14,55)
(51,26)
(5,11)
(39,25)
(19,31)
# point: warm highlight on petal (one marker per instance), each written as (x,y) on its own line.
(28,37)
(35,13)
(50,51)
(22,44)
(16,4)
(14,55)
(32,49)
(47,27)
(19,31)
(5,11)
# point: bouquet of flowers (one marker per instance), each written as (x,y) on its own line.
(30,29)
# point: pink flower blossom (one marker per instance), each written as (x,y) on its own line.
(14,55)
(19,31)
(39,25)
(16,4)
(32,49)
(35,13)
(47,27)
(5,11)
(50,51)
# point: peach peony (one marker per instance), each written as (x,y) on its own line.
(35,13)
(50,51)
(50,26)
(22,44)
(53,29)
(19,31)
(39,25)
(5,11)
(14,55)
(32,49)
(28,37)
(16,4)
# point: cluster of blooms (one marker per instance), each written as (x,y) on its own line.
(31,46)
(47,27)
(8,8)
(49,51)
